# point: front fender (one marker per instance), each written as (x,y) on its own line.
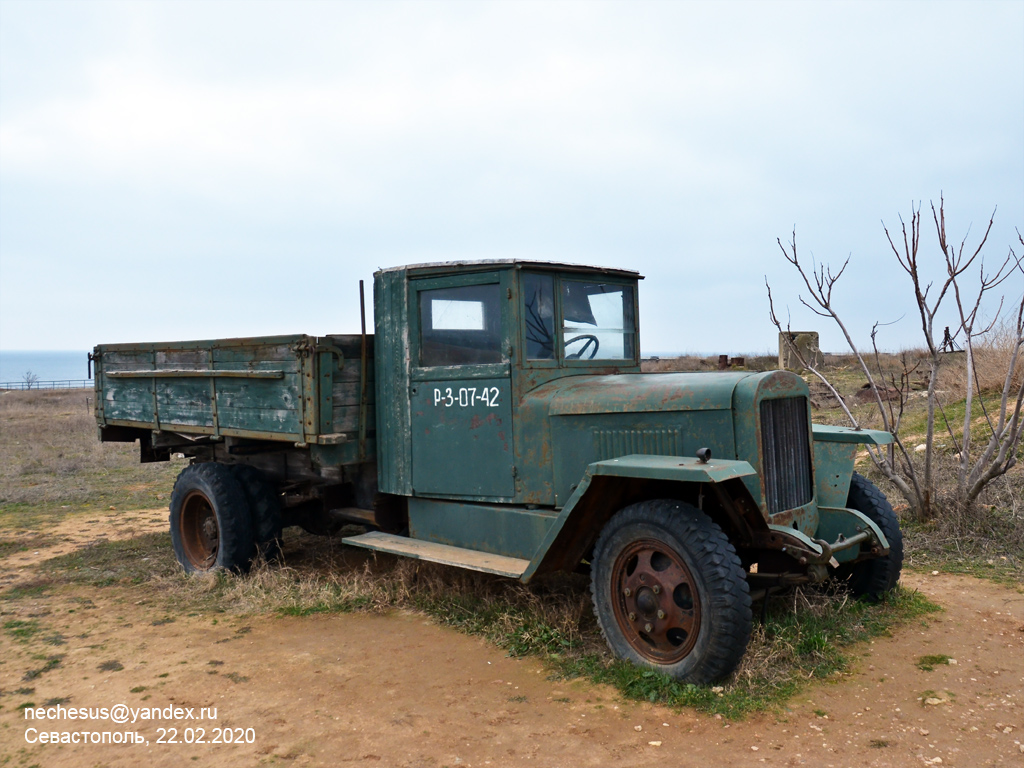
(608,486)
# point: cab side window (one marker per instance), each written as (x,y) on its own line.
(460,326)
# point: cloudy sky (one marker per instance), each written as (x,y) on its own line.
(205,169)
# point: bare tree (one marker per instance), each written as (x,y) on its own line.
(820,284)
(30,379)
(917,485)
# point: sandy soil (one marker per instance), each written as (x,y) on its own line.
(397,690)
(74,533)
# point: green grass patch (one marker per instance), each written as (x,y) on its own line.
(22,630)
(338,603)
(930,662)
(31,590)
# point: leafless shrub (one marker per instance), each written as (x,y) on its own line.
(891,390)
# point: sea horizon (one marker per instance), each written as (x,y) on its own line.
(46,365)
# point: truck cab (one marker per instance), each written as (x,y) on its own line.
(461,346)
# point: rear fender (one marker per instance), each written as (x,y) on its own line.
(608,486)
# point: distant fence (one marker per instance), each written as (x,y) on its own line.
(66,384)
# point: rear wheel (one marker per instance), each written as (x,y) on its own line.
(264,509)
(210,525)
(669,591)
(873,578)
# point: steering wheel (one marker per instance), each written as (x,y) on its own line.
(590,339)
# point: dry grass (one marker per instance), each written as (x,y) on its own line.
(52,464)
(992,357)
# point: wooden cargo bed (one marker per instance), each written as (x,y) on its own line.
(301,389)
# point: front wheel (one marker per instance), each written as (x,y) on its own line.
(669,591)
(871,579)
(210,525)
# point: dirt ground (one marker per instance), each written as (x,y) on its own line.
(397,690)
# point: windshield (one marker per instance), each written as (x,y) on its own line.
(597,321)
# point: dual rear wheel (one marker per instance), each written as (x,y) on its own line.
(223,517)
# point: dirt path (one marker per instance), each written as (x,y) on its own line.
(397,690)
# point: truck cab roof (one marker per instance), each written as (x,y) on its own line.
(448,267)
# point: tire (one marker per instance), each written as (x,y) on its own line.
(871,579)
(264,509)
(669,591)
(210,521)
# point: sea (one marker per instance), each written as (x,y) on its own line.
(48,365)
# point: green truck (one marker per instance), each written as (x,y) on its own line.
(497,419)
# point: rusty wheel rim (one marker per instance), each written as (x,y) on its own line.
(655,600)
(200,534)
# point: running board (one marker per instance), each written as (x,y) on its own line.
(440,553)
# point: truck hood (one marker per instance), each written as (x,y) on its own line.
(639,393)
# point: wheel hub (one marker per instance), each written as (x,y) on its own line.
(655,605)
(646,602)
(200,534)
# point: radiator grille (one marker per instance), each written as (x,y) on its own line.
(612,443)
(786,454)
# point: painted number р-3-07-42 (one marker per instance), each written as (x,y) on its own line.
(466,396)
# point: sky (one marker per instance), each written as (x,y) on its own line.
(191,170)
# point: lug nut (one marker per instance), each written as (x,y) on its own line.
(632,617)
(627,592)
(657,589)
(648,627)
(661,614)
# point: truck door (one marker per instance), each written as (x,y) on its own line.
(460,388)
